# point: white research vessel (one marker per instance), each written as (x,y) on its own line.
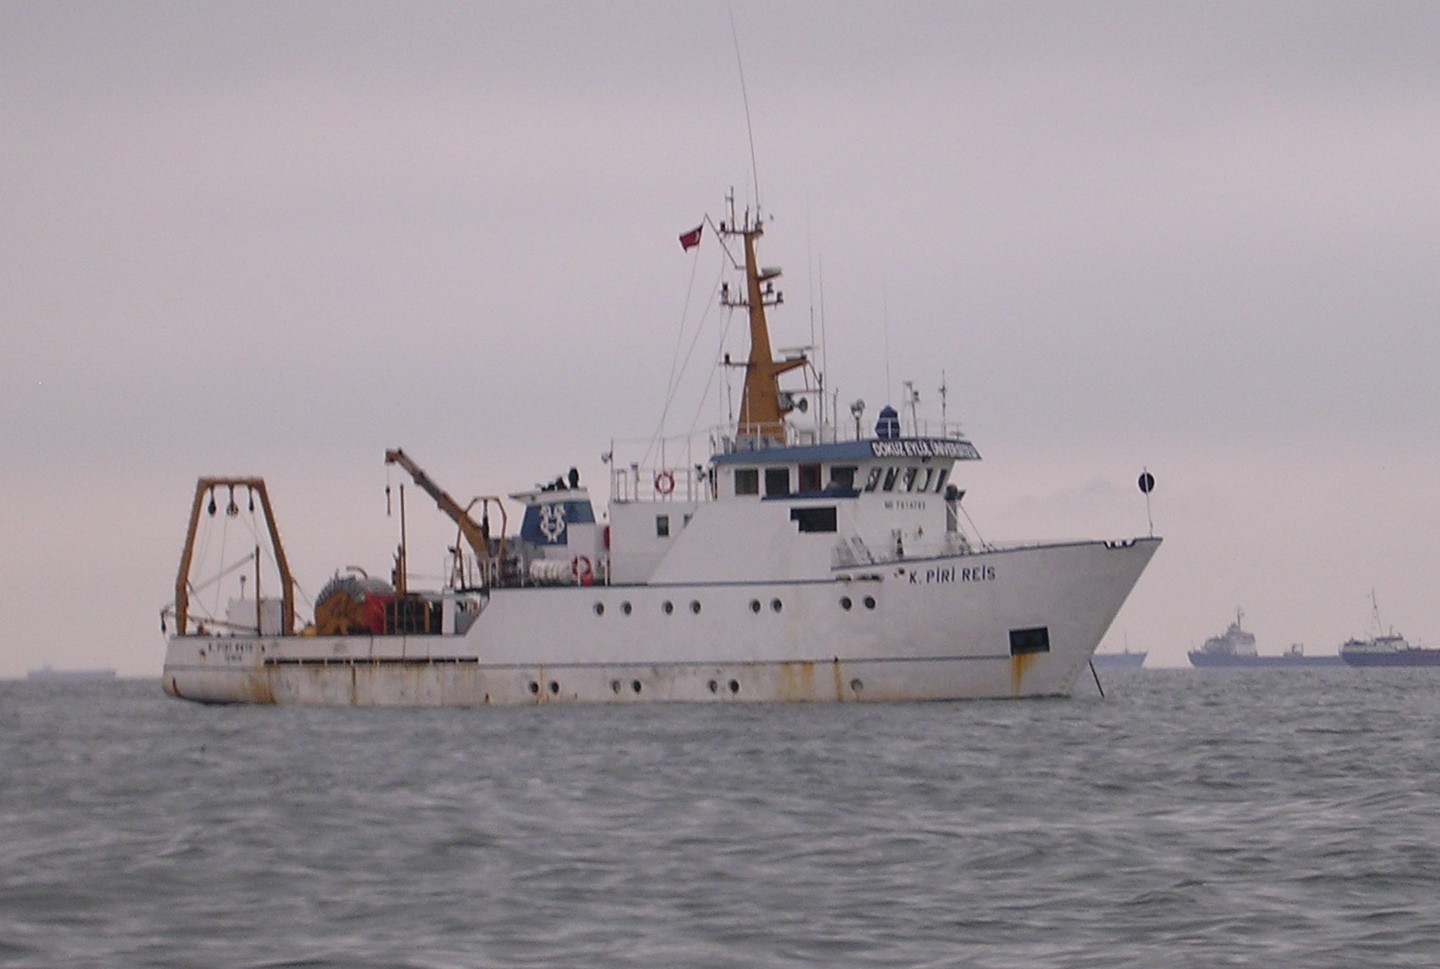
(798,564)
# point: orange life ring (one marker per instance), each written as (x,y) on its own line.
(580,569)
(664,482)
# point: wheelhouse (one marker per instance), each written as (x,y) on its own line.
(846,469)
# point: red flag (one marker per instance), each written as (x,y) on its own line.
(691,239)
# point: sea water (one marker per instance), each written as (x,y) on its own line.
(1188,818)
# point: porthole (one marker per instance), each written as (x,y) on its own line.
(635,685)
(754,605)
(845,603)
(776,605)
(554,688)
(599,608)
(869,602)
(615,686)
(625,608)
(856,685)
(695,606)
(734,686)
(714,687)
(668,607)
(534,688)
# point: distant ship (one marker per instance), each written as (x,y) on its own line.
(1388,649)
(51,673)
(1236,647)
(1119,661)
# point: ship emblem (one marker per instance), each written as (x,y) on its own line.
(552,521)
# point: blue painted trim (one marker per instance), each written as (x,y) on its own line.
(857,451)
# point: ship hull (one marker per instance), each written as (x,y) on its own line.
(1408,657)
(1206,661)
(1018,622)
(1118,661)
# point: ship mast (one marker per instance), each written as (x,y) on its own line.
(763,406)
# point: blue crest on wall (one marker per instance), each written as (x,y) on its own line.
(548,523)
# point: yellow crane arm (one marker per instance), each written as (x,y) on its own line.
(473,533)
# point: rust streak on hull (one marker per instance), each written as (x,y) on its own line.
(1019,664)
(797,681)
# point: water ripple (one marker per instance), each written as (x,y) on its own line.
(1189,820)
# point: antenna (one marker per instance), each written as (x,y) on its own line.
(823,371)
(750,131)
(820,375)
(885,326)
(824,342)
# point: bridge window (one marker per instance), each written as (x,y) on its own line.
(910,474)
(940,480)
(872,481)
(747,481)
(843,477)
(777,481)
(809,477)
(662,526)
(891,473)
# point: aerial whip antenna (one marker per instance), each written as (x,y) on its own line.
(745,97)
(885,313)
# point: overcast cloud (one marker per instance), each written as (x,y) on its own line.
(277,239)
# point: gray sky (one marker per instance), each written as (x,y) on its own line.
(278,238)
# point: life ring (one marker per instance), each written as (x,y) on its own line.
(580,569)
(664,482)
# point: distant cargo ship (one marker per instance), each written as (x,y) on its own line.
(1119,661)
(51,673)
(1388,649)
(1236,647)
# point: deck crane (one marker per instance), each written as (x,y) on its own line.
(477,535)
